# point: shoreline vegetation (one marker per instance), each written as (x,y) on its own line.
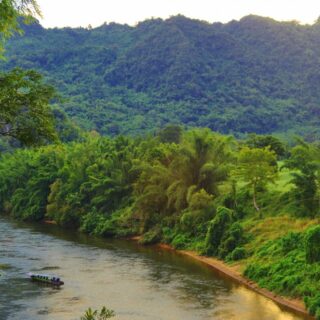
(233,272)
(252,203)
(297,306)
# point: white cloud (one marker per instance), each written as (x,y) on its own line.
(95,12)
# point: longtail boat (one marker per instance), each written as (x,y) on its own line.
(55,281)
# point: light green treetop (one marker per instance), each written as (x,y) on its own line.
(256,167)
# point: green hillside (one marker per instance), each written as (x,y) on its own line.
(253,75)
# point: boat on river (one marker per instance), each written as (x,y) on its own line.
(53,280)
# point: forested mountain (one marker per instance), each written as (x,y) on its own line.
(253,75)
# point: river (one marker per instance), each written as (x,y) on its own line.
(138,283)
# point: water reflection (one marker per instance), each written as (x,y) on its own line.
(138,282)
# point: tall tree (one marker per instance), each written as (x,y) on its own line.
(24,98)
(305,160)
(265,141)
(256,167)
(25,113)
(184,175)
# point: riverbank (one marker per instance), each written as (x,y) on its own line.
(139,282)
(232,272)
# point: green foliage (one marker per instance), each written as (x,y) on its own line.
(281,265)
(28,194)
(243,76)
(180,241)
(290,242)
(24,107)
(171,133)
(257,167)
(313,245)
(11,13)
(182,176)
(237,254)
(96,315)
(305,160)
(151,237)
(91,221)
(223,235)
(267,141)
(216,230)
(232,238)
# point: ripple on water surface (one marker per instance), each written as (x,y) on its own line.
(139,283)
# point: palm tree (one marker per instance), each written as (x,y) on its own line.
(166,185)
(202,163)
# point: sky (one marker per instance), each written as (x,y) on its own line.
(75,13)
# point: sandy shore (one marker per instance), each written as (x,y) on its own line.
(291,304)
(231,272)
(294,305)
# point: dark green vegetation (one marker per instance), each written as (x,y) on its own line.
(27,116)
(256,75)
(195,193)
(12,12)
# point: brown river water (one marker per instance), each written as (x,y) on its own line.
(138,283)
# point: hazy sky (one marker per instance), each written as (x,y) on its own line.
(95,12)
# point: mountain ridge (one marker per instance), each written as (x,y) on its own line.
(252,75)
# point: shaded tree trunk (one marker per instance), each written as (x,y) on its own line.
(255,198)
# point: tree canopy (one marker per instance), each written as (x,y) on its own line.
(256,167)
(12,12)
(25,113)
(253,75)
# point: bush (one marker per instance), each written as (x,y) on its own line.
(237,254)
(313,245)
(108,228)
(180,241)
(290,242)
(216,230)
(256,272)
(313,305)
(91,221)
(232,238)
(168,234)
(151,237)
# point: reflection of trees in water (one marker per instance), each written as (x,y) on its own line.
(180,280)
(11,292)
(186,280)
(183,279)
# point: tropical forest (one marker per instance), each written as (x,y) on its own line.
(149,162)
